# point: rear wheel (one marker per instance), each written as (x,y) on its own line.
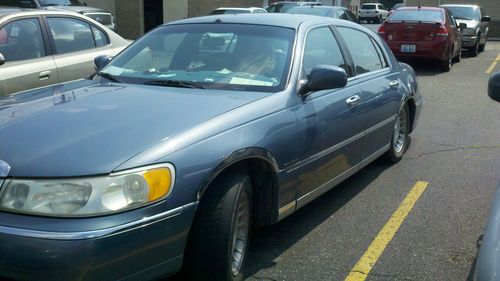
(446,65)
(220,233)
(458,57)
(400,138)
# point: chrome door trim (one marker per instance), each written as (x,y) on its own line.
(91,234)
(339,145)
(302,201)
(287,210)
(374,156)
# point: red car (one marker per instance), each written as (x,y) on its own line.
(423,33)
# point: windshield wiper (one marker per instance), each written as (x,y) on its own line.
(108,76)
(174,83)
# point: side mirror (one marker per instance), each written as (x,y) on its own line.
(494,87)
(101,61)
(462,26)
(325,77)
(2,59)
(486,19)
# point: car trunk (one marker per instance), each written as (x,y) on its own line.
(413,32)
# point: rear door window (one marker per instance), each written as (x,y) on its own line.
(22,40)
(364,54)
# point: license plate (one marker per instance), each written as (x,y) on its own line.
(408,48)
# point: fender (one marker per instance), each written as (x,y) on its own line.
(236,156)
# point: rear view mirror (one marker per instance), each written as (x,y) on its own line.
(2,59)
(100,62)
(325,77)
(462,26)
(486,19)
(494,87)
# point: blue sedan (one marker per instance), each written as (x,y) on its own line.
(197,132)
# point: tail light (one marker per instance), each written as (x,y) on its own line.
(442,31)
(381,30)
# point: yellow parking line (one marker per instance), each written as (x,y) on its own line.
(377,247)
(493,64)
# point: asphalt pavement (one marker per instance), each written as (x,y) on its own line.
(455,151)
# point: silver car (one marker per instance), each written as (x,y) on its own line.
(39,47)
(478,25)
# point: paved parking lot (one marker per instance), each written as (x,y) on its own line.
(446,181)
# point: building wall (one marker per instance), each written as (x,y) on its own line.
(198,8)
(129,18)
(174,10)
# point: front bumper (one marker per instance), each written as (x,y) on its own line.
(468,42)
(139,250)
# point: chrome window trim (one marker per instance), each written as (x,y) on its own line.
(360,76)
(92,234)
(340,145)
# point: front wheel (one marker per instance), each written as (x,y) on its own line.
(220,233)
(400,136)
(474,50)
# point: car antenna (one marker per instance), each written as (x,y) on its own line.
(419,6)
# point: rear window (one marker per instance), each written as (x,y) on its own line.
(369,7)
(229,11)
(310,11)
(280,8)
(417,16)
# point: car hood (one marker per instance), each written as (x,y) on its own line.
(470,23)
(88,128)
(78,9)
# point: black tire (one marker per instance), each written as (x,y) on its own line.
(474,50)
(458,57)
(400,144)
(210,247)
(482,47)
(446,65)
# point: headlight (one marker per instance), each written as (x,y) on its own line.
(469,32)
(90,196)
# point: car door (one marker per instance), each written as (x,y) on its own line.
(380,90)
(332,122)
(456,33)
(76,43)
(28,61)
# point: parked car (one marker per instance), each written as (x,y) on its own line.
(423,33)
(102,16)
(283,6)
(395,7)
(335,12)
(224,10)
(373,12)
(41,47)
(478,25)
(180,144)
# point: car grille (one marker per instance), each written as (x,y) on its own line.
(102,18)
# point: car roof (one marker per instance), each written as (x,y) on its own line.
(275,19)
(320,7)
(239,8)
(460,5)
(7,12)
(421,8)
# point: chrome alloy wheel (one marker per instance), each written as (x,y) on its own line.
(399,137)
(240,233)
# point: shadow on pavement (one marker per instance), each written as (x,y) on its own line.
(270,242)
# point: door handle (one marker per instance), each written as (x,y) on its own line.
(353,100)
(44,75)
(394,84)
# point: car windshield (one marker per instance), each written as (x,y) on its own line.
(417,15)
(369,7)
(215,56)
(310,11)
(61,3)
(464,13)
(229,11)
(280,8)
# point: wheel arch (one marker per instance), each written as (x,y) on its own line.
(263,169)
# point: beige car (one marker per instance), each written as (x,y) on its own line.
(41,47)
